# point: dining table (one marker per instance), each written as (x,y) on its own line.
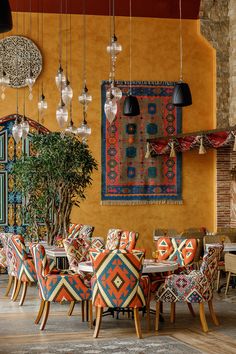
(149,266)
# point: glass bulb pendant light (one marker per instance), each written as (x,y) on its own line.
(17,130)
(67,93)
(110,107)
(62,114)
(30,81)
(114,48)
(42,105)
(181,95)
(25,128)
(4,82)
(60,78)
(84,131)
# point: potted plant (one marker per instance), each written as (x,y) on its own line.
(53,180)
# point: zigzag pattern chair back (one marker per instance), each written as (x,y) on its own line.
(41,266)
(25,269)
(177,249)
(128,240)
(80,231)
(117,278)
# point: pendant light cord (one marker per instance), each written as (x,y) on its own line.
(17,88)
(66,40)
(42,33)
(180,41)
(84,43)
(113,19)
(60,36)
(30,30)
(70,64)
(130,45)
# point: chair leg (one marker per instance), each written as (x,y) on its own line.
(24,291)
(191,310)
(9,285)
(87,310)
(203,317)
(218,280)
(99,311)
(45,315)
(41,308)
(227,284)
(148,315)
(17,290)
(91,313)
(212,312)
(172,312)
(137,323)
(14,288)
(82,310)
(71,308)
(157,315)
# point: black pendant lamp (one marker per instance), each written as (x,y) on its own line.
(181,95)
(5,16)
(131,105)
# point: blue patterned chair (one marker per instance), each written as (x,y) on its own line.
(195,287)
(118,283)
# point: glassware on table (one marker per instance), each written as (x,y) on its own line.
(155,255)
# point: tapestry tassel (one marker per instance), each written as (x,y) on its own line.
(148,154)
(234,148)
(202,150)
(172,149)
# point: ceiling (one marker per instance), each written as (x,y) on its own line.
(140,8)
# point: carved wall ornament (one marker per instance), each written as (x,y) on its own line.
(19,56)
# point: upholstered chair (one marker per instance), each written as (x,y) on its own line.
(113,239)
(176,249)
(230,268)
(80,231)
(57,287)
(128,240)
(195,287)
(25,269)
(118,283)
(119,239)
(218,238)
(10,261)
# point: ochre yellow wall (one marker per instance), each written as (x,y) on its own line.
(155,56)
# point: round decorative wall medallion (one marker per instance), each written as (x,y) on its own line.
(19,57)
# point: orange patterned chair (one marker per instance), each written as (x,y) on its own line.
(57,287)
(118,283)
(119,239)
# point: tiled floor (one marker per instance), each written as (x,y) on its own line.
(19,334)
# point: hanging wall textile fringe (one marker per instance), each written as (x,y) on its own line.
(184,142)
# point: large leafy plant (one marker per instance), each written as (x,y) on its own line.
(53,180)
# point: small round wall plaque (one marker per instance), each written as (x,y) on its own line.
(19,58)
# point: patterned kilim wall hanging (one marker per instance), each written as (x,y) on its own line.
(127,176)
(11,217)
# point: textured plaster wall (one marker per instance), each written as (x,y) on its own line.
(155,57)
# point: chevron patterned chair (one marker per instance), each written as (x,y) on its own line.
(118,283)
(119,239)
(80,231)
(57,287)
(25,269)
(195,287)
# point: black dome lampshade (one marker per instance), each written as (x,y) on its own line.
(131,106)
(5,16)
(181,95)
